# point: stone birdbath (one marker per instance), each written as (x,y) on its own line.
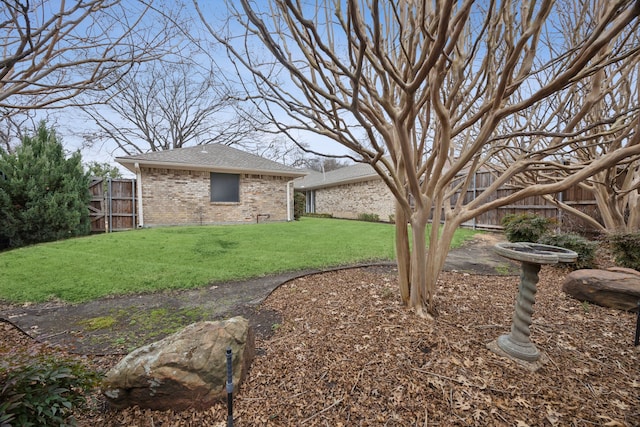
(517,344)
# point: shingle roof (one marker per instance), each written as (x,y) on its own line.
(355,173)
(210,157)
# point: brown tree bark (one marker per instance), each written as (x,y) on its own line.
(423,92)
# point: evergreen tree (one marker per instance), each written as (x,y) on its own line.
(43,195)
(104,170)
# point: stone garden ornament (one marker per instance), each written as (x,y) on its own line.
(516,345)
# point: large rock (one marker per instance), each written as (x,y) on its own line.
(616,288)
(186,369)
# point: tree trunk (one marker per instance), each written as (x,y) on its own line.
(588,219)
(417,299)
(403,254)
(608,208)
(436,255)
(633,223)
(421,267)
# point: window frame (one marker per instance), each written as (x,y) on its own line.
(224,180)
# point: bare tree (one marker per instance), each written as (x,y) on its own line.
(598,115)
(323,164)
(279,149)
(166,105)
(12,123)
(53,51)
(418,89)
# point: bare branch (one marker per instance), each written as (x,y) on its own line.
(53,51)
(163,106)
(444,89)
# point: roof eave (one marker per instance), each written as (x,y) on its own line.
(337,183)
(130,164)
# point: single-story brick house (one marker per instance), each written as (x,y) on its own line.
(347,192)
(354,190)
(210,184)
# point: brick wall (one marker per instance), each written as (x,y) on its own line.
(172,197)
(350,200)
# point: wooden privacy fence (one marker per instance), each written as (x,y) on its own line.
(113,205)
(575,197)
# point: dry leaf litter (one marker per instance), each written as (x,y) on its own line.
(348,354)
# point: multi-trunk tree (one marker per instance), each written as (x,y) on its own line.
(595,116)
(422,90)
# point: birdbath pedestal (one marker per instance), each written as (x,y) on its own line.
(517,344)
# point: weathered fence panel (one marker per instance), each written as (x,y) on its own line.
(113,205)
(97,210)
(575,197)
(121,198)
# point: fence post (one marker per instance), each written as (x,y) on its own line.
(109,205)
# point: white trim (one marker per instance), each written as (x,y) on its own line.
(139,194)
(289,195)
(205,168)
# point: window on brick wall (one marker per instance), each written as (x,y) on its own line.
(225,187)
(311,201)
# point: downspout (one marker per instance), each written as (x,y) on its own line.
(139,194)
(289,183)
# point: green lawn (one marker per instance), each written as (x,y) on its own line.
(148,260)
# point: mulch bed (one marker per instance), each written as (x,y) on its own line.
(348,354)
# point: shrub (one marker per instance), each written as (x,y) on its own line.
(626,249)
(525,227)
(43,391)
(318,215)
(585,249)
(299,205)
(43,194)
(370,217)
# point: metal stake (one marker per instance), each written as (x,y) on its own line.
(637,340)
(229,388)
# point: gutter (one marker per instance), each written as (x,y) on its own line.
(139,194)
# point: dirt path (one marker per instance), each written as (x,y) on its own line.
(119,324)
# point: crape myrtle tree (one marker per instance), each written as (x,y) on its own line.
(594,116)
(419,90)
(43,194)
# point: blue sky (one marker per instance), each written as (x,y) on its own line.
(71,122)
